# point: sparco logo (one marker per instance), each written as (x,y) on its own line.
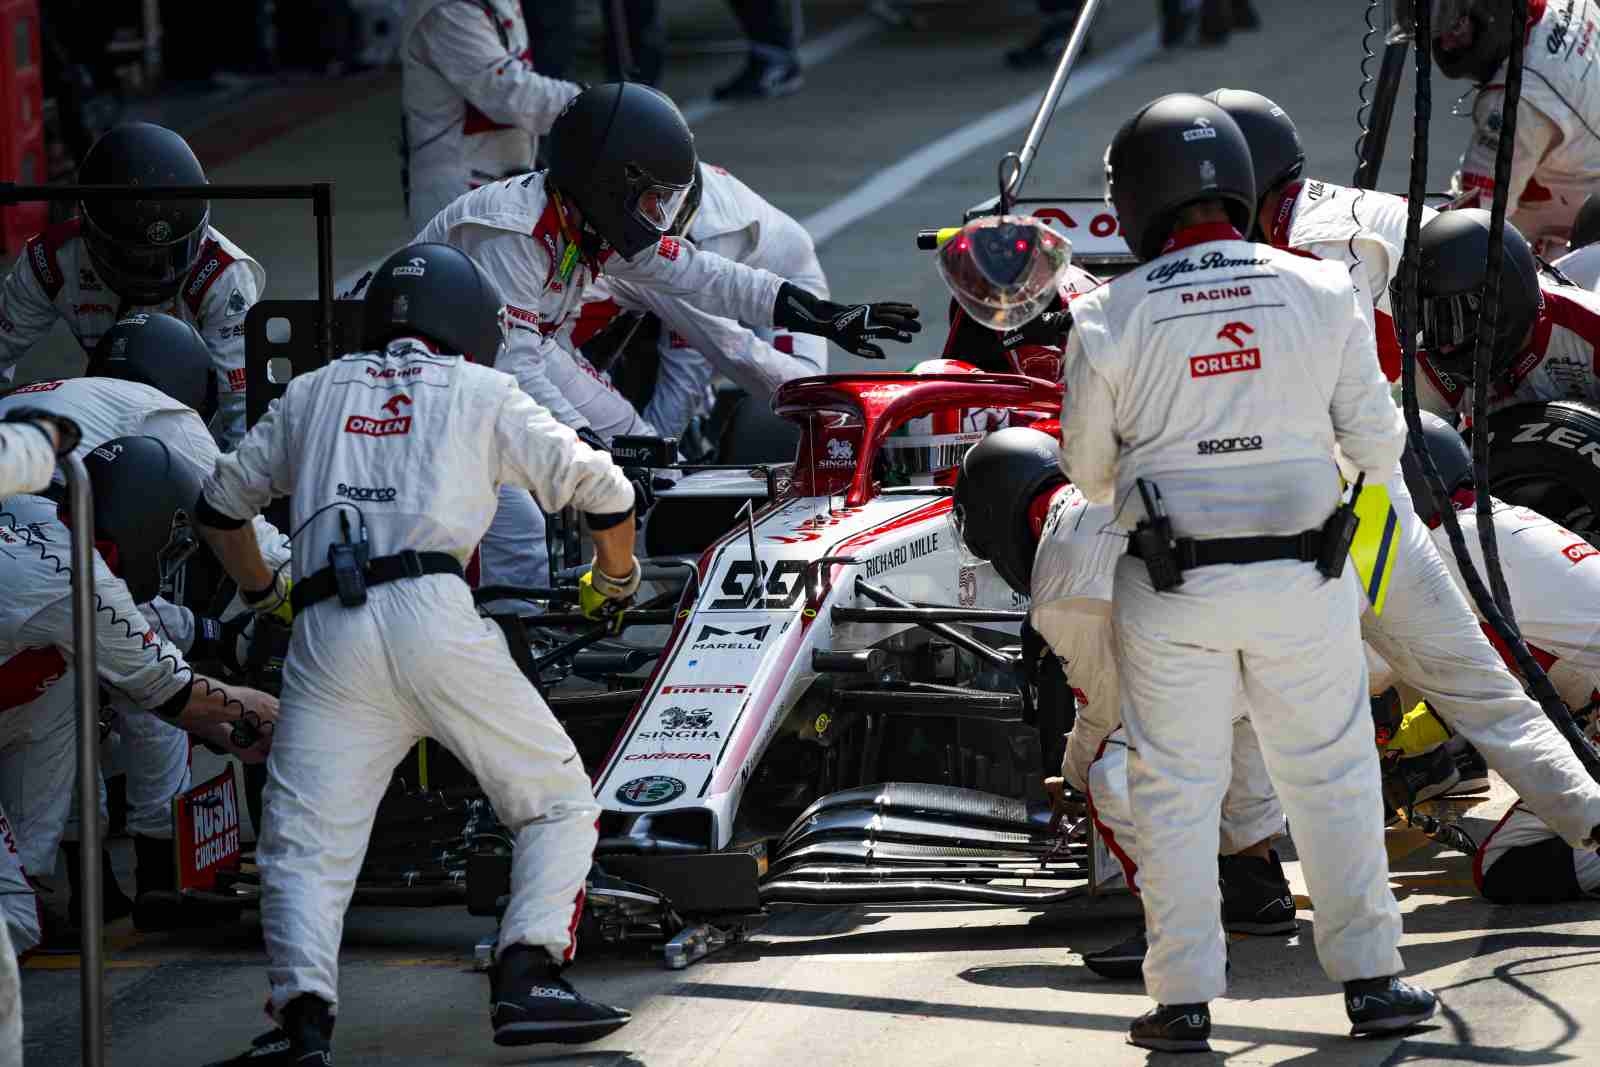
(41,264)
(205,272)
(1210,261)
(1216,363)
(371,427)
(381,495)
(1219,445)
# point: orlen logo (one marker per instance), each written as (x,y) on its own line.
(1580,551)
(1209,366)
(377,427)
(38,387)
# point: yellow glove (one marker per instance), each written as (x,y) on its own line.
(272,602)
(602,597)
(1420,732)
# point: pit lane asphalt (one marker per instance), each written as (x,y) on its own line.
(929,986)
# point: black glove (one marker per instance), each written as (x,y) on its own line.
(850,326)
(67,433)
(587,435)
(644,497)
(1048,329)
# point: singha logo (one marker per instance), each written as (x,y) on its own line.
(685,719)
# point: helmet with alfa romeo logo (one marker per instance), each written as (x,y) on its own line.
(435,292)
(1177,150)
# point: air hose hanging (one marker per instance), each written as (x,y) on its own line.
(1408,321)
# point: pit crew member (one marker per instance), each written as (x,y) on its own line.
(1427,632)
(1014,508)
(1240,450)
(1544,347)
(1556,161)
(474,105)
(622,163)
(1554,583)
(392,457)
(119,256)
(146,377)
(139,479)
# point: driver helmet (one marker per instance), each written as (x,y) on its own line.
(436,292)
(1455,258)
(624,155)
(143,249)
(162,352)
(1450,455)
(143,497)
(1004,270)
(999,480)
(927,450)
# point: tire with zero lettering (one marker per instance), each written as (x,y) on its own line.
(1546,457)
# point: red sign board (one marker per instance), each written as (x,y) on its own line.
(205,823)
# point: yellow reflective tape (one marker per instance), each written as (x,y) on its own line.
(422,764)
(945,233)
(1372,550)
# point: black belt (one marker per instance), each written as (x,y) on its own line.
(1192,552)
(322,585)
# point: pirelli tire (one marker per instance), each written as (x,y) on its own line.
(1547,457)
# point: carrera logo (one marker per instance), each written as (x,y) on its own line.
(1580,551)
(203,275)
(634,757)
(380,495)
(370,427)
(1219,446)
(1209,366)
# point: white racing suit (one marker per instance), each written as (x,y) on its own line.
(12,882)
(1582,266)
(153,754)
(1364,230)
(1233,393)
(1556,161)
(55,278)
(1560,362)
(1428,633)
(474,105)
(1071,609)
(38,712)
(512,229)
(409,446)
(27,459)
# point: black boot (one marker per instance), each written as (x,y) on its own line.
(1174,23)
(1123,961)
(1173,1028)
(1385,1005)
(1256,898)
(1215,22)
(114,903)
(304,1040)
(530,1003)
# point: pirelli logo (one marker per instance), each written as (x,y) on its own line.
(1224,363)
(371,427)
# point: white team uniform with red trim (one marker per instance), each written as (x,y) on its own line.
(55,278)
(474,105)
(1071,608)
(1556,162)
(513,231)
(1560,363)
(1364,230)
(1582,266)
(422,441)
(27,460)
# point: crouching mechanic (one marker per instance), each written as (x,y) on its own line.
(1556,162)
(388,647)
(1014,508)
(1226,583)
(150,375)
(1554,578)
(117,256)
(146,673)
(622,164)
